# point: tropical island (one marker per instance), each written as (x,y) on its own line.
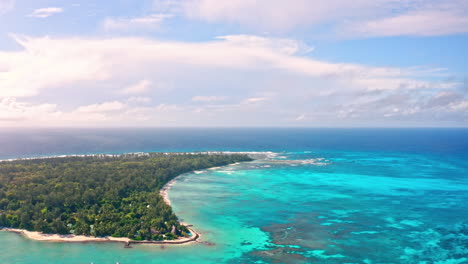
(101,196)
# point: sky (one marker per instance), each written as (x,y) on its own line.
(233,63)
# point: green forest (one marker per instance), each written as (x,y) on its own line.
(98,195)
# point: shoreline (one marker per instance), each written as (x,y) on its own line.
(164,192)
(71,238)
(39,236)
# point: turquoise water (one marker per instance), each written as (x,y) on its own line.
(359,204)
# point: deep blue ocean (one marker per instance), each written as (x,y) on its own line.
(317,196)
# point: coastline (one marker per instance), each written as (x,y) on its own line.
(71,238)
(164,192)
(38,236)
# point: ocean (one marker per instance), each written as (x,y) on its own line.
(319,196)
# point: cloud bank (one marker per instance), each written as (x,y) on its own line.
(231,80)
(350,19)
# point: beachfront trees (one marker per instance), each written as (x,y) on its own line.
(98,195)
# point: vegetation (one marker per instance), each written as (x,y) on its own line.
(98,195)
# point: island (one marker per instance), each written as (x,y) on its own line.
(99,197)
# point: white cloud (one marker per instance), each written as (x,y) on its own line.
(200,98)
(46,12)
(254,100)
(420,23)
(6,5)
(360,18)
(270,14)
(139,100)
(103,107)
(300,117)
(45,63)
(273,77)
(167,107)
(280,45)
(12,111)
(140,87)
(152,21)
(461,106)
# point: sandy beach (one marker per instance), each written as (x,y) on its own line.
(164,192)
(64,238)
(38,236)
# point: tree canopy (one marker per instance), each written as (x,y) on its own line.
(98,195)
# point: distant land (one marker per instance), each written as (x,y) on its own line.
(99,197)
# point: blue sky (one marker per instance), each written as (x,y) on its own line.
(364,63)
